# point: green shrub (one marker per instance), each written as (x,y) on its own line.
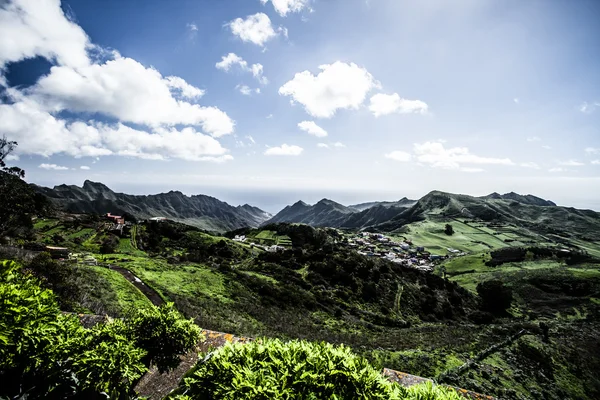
(164,334)
(272,369)
(46,354)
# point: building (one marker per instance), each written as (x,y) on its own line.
(57,252)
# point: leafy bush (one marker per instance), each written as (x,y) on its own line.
(495,296)
(164,334)
(271,369)
(46,354)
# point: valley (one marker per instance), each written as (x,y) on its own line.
(408,293)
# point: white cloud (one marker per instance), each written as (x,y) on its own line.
(571,163)
(251,139)
(312,128)
(283,7)
(229,60)
(257,72)
(397,155)
(192,31)
(384,104)
(90,79)
(185,89)
(435,155)
(270,116)
(125,89)
(255,28)
(534,139)
(592,150)
(557,169)
(39,132)
(31,28)
(338,145)
(595,162)
(84,167)
(588,108)
(337,86)
(244,89)
(284,150)
(12,157)
(53,167)
(530,165)
(233,59)
(546,147)
(516,100)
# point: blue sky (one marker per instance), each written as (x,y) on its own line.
(268,102)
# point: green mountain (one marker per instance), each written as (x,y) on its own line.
(404,202)
(201,211)
(542,216)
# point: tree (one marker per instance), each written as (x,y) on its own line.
(109,244)
(164,334)
(449,230)
(7,147)
(18,201)
(496,297)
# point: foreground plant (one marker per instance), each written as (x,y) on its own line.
(272,369)
(50,355)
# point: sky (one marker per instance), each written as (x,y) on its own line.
(271,101)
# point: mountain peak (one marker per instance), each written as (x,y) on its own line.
(300,203)
(95,186)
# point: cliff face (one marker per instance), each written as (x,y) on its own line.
(203,211)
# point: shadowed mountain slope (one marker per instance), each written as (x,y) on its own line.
(199,210)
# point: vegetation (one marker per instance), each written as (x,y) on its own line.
(47,354)
(536,282)
(270,369)
(448,230)
(495,296)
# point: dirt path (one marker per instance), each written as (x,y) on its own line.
(137,282)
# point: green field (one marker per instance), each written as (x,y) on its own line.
(470,237)
(469,270)
(267,237)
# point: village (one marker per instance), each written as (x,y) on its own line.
(404,252)
(271,249)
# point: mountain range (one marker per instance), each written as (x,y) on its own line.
(199,210)
(212,214)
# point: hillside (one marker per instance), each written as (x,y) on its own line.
(404,202)
(542,217)
(328,213)
(529,211)
(317,288)
(199,210)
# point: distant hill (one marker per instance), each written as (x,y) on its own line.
(532,212)
(328,213)
(404,202)
(324,213)
(199,210)
(523,210)
(527,199)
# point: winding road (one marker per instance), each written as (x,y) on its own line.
(150,293)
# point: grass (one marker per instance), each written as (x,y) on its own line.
(126,247)
(128,296)
(430,234)
(469,270)
(261,276)
(270,238)
(189,281)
